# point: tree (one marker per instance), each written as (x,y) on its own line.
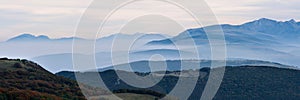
(17,65)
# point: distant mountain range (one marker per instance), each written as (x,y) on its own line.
(33,46)
(263,39)
(259,32)
(28,37)
(40,38)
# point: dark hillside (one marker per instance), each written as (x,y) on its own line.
(260,82)
(22,79)
(239,83)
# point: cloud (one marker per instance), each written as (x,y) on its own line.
(58,18)
(54,18)
(233,12)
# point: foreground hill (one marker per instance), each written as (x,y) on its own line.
(22,79)
(244,82)
(26,80)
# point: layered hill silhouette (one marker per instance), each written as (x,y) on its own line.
(261,39)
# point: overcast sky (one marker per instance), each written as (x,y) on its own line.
(58,18)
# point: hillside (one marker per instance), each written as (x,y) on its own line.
(243,82)
(22,79)
(26,80)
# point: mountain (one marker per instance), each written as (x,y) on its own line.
(262,39)
(251,82)
(262,31)
(29,46)
(284,29)
(28,37)
(41,38)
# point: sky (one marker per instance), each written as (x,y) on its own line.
(59,18)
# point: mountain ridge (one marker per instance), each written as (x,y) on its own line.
(30,37)
(263,26)
(258,23)
(39,38)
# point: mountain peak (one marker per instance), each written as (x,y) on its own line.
(25,35)
(271,21)
(265,19)
(28,37)
(292,21)
(260,23)
(287,28)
